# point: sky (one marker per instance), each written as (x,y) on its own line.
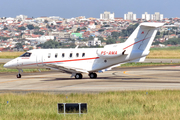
(88,8)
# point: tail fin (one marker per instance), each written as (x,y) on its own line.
(142,37)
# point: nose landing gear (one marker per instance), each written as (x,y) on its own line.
(19,75)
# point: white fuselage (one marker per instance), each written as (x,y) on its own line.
(85,59)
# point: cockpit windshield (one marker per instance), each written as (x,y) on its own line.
(26,55)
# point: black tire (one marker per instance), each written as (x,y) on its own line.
(18,75)
(78,76)
(93,75)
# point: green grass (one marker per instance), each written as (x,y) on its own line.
(146,64)
(167,48)
(5,70)
(10,54)
(124,105)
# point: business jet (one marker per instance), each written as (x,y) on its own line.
(76,61)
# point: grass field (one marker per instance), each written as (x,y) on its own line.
(166,54)
(10,54)
(124,105)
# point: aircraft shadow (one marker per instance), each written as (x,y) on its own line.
(99,78)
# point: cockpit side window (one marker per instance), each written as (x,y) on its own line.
(27,54)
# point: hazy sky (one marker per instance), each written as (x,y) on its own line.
(88,8)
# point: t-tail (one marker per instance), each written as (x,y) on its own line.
(140,41)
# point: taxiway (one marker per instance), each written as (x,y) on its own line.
(134,78)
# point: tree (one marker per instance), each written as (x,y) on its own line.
(49,44)
(158,33)
(39,33)
(100,30)
(78,30)
(18,46)
(22,28)
(36,27)
(156,43)
(84,28)
(115,35)
(5,28)
(106,26)
(46,21)
(172,41)
(111,41)
(30,27)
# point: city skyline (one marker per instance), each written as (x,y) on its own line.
(69,8)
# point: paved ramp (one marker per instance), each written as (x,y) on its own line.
(145,78)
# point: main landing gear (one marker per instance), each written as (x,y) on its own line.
(92,75)
(80,76)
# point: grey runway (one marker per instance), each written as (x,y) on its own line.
(119,79)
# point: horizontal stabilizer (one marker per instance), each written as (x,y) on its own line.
(154,25)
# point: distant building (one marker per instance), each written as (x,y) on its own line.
(60,35)
(76,35)
(146,16)
(94,42)
(21,17)
(130,16)
(107,15)
(157,16)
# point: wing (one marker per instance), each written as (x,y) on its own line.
(65,69)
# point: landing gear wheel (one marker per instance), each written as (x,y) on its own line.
(93,75)
(78,76)
(18,75)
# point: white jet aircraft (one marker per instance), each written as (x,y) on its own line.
(76,61)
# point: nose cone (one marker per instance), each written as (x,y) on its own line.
(6,65)
(10,64)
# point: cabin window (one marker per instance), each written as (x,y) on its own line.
(77,54)
(49,55)
(83,55)
(70,55)
(63,54)
(56,55)
(26,55)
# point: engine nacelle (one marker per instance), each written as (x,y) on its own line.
(110,53)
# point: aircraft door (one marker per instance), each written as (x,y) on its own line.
(39,60)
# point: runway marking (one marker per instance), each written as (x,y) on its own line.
(125,72)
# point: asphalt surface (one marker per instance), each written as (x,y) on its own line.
(119,79)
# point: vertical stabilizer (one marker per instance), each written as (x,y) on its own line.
(142,37)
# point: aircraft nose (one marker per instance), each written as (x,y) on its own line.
(6,65)
(9,65)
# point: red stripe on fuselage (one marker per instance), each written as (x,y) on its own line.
(63,61)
